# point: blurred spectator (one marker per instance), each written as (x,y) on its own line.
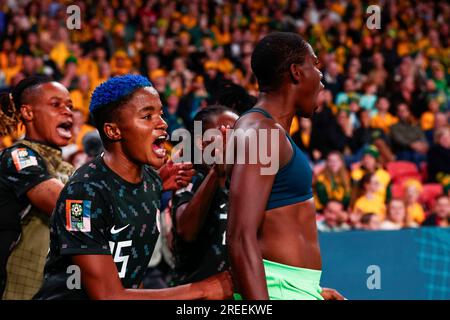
(441,215)
(408,140)
(333,183)
(408,93)
(340,132)
(369,164)
(92,144)
(334,218)
(322,122)
(439,157)
(383,119)
(332,78)
(349,94)
(364,136)
(427,118)
(370,222)
(369,98)
(301,130)
(396,216)
(415,212)
(368,200)
(174,122)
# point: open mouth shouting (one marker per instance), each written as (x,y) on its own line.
(158,145)
(64,129)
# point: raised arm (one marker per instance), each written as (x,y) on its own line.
(190,216)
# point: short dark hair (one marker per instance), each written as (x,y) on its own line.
(109,113)
(205,115)
(273,56)
(236,97)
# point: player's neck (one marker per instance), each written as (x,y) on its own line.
(122,166)
(279,106)
(33,136)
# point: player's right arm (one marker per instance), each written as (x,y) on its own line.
(26,174)
(101,281)
(82,221)
(190,215)
(191,208)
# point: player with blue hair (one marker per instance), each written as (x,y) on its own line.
(105,224)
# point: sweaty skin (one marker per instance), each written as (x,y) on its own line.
(288,234)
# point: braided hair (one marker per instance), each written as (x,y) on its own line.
(10,103)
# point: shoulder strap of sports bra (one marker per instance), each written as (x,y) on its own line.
(259,110)
(265,113)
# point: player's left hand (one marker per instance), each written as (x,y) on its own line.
(331,294)
(176,175)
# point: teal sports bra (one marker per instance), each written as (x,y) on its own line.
(293,182)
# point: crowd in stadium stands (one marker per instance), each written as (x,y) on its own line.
(380,141)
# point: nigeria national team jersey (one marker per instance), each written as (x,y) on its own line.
(21,168)
(207,254)
(99,213)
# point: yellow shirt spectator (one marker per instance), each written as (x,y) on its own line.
(415,213)
(85,128)
(365,205)
(383,122)
(89,67)
(225,66)
(427,120)
(81,101)
(384,178)
(59,54)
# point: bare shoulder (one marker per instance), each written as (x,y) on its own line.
(255,120)
(256,131)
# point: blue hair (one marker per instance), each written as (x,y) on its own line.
(115,89)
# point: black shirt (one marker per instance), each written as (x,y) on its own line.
(207,254)
(21,169)
(99,213)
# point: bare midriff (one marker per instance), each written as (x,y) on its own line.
(288,235)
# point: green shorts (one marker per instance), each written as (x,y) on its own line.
(290,283)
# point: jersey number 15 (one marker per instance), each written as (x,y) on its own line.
(118,258)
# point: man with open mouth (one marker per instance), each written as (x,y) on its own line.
(105,222)
(32,173)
